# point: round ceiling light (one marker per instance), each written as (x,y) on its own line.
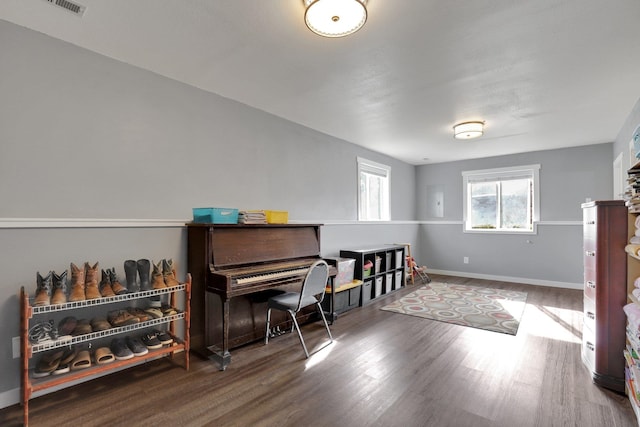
(335,18)
(468,130)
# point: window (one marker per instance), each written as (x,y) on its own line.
(501,200)
(373,191)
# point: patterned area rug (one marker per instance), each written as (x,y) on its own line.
(496,310)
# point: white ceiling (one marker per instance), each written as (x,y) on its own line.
(542,74)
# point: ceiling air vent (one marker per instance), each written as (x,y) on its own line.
(75,8)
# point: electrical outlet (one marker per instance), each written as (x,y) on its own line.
(465,260)
(15,344)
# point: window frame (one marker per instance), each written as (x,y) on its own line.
(496,174)
(374,168)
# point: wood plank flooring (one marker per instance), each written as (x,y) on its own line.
(384,369)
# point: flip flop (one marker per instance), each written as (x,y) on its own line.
(104,355)
(81,361)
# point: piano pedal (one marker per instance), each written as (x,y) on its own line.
(276,331)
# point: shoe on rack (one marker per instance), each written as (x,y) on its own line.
(106,290)
(81,361)
(59,292)
(48,363)
(91,290)
(77,284)
(169,273)
(117,287)
(151,341)
(139,313)
(67,325)
(144,268)
(104,355)
(120,350)
(83,327)
(100,324)
(167,310)
(153,312)
(136,347)
(163,337)
(43,332)
(69,354)
(43,289)
(155,302)
(119,318)
(131,272)
(157,280)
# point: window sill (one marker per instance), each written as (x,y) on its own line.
(494,231)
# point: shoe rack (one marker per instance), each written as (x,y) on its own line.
(30,314)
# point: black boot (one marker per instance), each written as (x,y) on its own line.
(59,293)
(43,289)
(144,270)
(131,272)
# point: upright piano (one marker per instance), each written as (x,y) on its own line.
(235,268)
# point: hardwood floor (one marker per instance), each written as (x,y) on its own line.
(384,369)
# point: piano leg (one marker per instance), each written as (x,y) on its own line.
(222,356)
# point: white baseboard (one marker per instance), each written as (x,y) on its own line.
(9,397)
(525,280)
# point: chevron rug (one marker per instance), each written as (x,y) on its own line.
(496,310)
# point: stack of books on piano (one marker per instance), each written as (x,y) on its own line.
(252,217)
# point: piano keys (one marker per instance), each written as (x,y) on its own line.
(235,268)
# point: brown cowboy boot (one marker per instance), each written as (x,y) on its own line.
(43,290)
(157,280)
(59,288)
(169,274)
(91,281)
(117,287)
(77,284)
(106,289)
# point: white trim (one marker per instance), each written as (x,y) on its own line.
(353,222)
(506,170)
(380,170)
(527,281)
(9,223)
(539,223)
(9,398)
(619,175)
(89,223)
(534,170)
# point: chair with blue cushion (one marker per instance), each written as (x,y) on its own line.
(312,293)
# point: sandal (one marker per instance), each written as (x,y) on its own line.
(48,363)
(81,361)
(104,355)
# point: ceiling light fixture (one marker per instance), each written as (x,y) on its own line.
(468,130)
(335,18)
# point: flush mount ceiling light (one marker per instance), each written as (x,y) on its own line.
(335,18)
(468,130)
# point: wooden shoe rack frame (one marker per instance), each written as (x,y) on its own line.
(27,350)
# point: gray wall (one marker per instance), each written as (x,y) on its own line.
(554,256)
(621,144)
(84,136)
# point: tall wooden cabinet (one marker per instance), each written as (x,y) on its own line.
(605,291)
